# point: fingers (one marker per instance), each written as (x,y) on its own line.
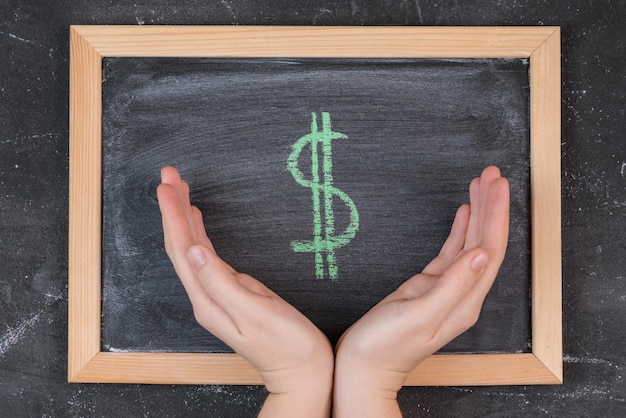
(183,228)
(495,229)
(453,245)
(479,194)
(224,302)
(178,238)
(169,175)
(482,223)
(467,310)
(467,265)
(487,231)
(237,294)
(202,237)
(455,284)
(176,227)
(473,227)
(175,197)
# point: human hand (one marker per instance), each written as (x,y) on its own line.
(291,354)
(375,355)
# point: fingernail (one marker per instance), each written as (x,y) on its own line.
(196,257)
(479,262)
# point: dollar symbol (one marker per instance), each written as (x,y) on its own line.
(322,192)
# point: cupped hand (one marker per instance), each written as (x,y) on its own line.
(376,354)
(291,354)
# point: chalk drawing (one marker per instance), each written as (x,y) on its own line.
(322,190)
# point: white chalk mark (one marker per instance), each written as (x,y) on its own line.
(28,41)
(355,7)
(47,135)
(15,334)
(17,38)
(624,170)
(230,9)
(590,360)
(53,298)
(115,350)
(11,35)
(419,11)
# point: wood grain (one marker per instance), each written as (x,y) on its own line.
(326,41)
(545,107)
(84,293)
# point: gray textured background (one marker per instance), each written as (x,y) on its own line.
(33,204)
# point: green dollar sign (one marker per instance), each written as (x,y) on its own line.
(322,191)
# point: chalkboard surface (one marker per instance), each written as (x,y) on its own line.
(416,133)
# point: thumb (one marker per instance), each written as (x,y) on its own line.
(480,259)
(459,278)
(218,279)
(201,257)
(455,292)
(213,272)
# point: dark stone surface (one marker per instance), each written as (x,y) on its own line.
(33,204)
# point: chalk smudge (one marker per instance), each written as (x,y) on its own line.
(590,360)
(14,335)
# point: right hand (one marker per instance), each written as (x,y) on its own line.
(375,355)
(292,355)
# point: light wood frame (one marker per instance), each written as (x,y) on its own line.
(88,44)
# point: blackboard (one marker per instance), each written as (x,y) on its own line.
(417,131)
(405,117)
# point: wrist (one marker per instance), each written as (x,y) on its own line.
(364,391)
(310,397)
(304,391)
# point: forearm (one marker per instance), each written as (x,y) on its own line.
(306,403)
(305,391)
(356,403)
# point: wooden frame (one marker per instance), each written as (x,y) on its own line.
(88,44)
